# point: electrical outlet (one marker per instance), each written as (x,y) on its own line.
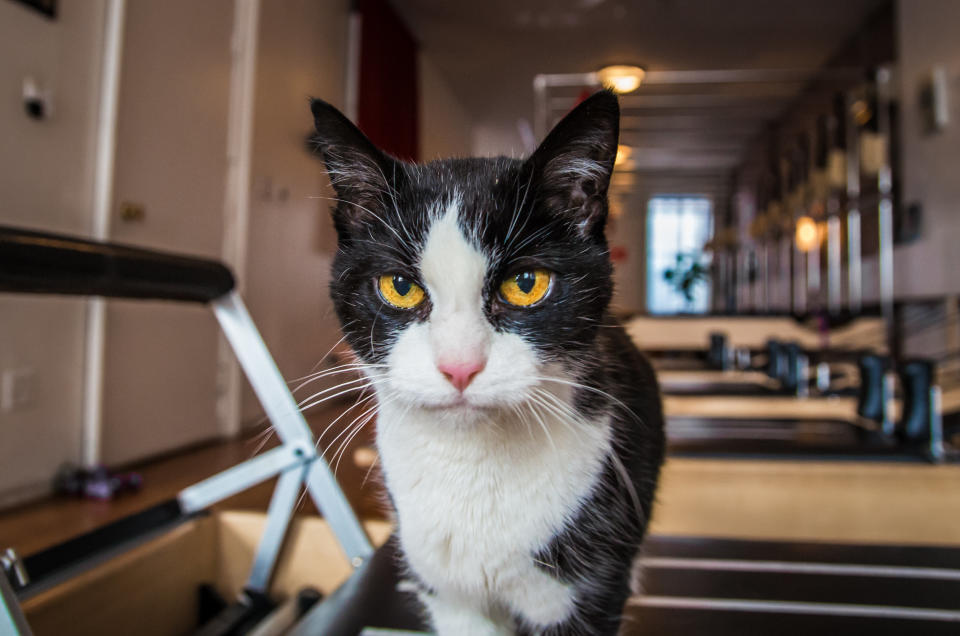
(18,389)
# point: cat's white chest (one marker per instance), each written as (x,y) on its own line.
(475,504)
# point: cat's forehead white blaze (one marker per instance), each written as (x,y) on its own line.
(453,271)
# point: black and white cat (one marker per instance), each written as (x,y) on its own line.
(520,432)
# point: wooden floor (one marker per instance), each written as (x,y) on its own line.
(845,501)
(40,525)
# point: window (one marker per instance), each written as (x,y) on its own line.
(677,228)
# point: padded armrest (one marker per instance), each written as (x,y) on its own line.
(44,263)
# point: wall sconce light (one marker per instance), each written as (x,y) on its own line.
(808,234)
(621,78)
(623,155)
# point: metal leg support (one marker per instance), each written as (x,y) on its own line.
(936,449)
(12,622)
(278,519)
(887,424)
(292,429)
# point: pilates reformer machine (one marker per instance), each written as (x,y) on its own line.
(42,263)
(797,331)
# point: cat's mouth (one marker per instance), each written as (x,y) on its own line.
(459,403)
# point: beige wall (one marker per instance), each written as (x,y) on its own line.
(302,48)
(927,37)
(301,53)
(446,129)
(46,173)
(629,230)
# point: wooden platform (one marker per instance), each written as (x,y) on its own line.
(723,587)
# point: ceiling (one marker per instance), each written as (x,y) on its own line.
(688,135)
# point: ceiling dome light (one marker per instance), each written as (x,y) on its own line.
(621,78)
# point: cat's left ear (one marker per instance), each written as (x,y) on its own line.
(572,166)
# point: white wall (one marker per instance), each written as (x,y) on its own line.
(927,37)
(46,182)
(301,53)
(446,130)
(628,230)
(496,139)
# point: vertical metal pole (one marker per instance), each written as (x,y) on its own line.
(885,211)
(803,376)
(786,271)
(765,278)
(748,258)
(813,275)
(834,264)
(887,423)
(799,283)
(854,262)
(540,106)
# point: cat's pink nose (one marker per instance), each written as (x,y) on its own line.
(461,374)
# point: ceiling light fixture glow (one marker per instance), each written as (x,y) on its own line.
(621,78)
(808,234)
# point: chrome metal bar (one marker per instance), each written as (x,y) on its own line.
(936,449)
(288,421)
(261,370)
(854,263)
(799,286)
(330,500)
(278,520)
(552,80)
(540,106)
(747,75)
(12,621)
(823,377)
(887,424)
(238,478)
(854,254)
(885,210)
(834,265)
(803,376)
(813,277)
(786,272)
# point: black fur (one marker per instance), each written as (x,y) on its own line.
(548,211)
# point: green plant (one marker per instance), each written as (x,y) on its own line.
(687,274)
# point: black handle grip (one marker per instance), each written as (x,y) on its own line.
(44,263)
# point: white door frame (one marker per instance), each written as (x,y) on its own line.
(235,212)
(105,153)
(236,200)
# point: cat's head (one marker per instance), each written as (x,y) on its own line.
(465,282)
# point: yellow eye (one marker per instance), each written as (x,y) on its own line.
(399,291)
(525,288)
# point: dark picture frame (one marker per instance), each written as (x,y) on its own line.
(46,7)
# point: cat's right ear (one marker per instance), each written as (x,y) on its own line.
(359,171)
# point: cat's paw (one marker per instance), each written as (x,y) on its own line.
(541,599)
(451,617)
